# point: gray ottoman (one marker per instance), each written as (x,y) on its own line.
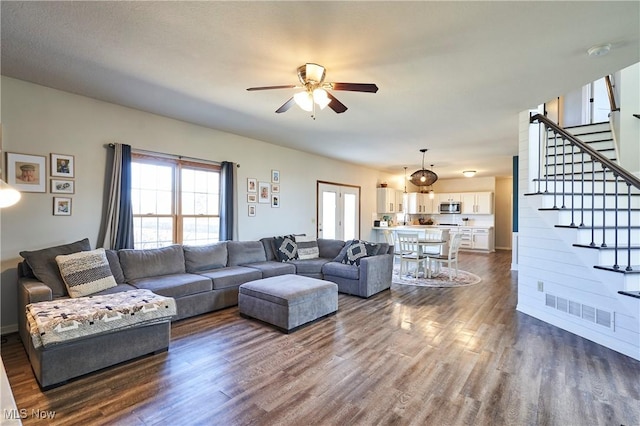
(288,301)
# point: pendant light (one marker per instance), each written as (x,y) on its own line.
(423,177)
(432,194)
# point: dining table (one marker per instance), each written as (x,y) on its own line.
(424,243)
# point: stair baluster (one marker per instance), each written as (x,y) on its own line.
(582,192)
(593,203)
(604,205)
(563,173)
(555,170)
(573,222)
(615,254)
(628,268)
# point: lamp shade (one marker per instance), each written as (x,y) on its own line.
(304,100)
(423,177)
(8,195)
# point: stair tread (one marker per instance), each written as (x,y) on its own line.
(635,294)
(587,209)
(589,227)
(609,247)
(635,269)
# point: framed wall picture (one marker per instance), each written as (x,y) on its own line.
(275,176)
(27,173)
(61,186)
(275,188)
(62,165)
(252,185)
(61,206)
(264,193)
(275,200)
(252,198)
(252,210)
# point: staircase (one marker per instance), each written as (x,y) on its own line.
(582,238)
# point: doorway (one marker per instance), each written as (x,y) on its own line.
(338,211)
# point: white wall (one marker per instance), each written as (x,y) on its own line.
(38,120)
(629,133)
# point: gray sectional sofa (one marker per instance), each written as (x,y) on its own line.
(200,278)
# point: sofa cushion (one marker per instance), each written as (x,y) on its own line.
(174,285)
(114,264)
(232,276)
(285,248)
(342,270)
(242,252)
(357,250)
(205,258)
(307,247)
(309,266)
(267,243)
(330,248)
(271,268)
(151,262)
(85,272)
(383,248)
(44,267)
(343,251)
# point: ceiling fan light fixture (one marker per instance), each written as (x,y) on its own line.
(304,100)
(321,98)
(469,173)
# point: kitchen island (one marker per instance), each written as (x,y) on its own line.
(474,237)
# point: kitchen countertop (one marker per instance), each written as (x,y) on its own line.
(431,226)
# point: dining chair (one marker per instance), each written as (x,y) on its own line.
(391,240)
(432,235)
(450,258)
(410,252)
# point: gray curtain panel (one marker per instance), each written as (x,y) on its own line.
(227,201)
(118,224)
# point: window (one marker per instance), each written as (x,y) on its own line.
(174,201)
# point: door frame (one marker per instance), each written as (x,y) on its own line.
(346,185)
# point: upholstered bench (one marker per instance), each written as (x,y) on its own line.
(288,301)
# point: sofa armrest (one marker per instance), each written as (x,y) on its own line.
(375,274)
(30,290)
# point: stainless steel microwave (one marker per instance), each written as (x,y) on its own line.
(451,207)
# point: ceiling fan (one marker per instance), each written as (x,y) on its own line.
(315,90)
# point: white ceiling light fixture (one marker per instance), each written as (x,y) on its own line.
(599,50)
(469,173)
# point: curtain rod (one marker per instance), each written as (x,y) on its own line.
(172,156)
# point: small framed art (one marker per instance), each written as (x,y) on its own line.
(275,176)
(275,200)
(61,206)
(252,185)
(263,192)
(252,210)
(61,186)
(252,198)
(275,188)
(27,173)
(62,165)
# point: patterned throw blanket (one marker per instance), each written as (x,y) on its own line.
(63,320)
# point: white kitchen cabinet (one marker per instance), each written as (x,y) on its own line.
(482,239)
(449,197)
(389,200)
(466,239)
(419,203)
(477,203)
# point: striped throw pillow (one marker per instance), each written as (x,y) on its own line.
(86,272)
(307,247)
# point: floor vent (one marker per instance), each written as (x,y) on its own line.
(586,312)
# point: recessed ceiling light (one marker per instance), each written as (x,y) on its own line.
(599,50)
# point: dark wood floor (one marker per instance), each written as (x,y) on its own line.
(411,355)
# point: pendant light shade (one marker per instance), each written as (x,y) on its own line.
(423,177)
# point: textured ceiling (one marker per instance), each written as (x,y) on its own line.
(452,75)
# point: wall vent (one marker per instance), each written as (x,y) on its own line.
(586,312)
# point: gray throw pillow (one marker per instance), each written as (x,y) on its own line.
(43,264)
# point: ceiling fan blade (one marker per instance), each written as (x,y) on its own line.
(286,106)
(355,87)
(336,105)
(288,86)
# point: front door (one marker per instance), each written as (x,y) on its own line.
(338,211)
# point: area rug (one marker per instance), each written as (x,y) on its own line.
(440,279)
